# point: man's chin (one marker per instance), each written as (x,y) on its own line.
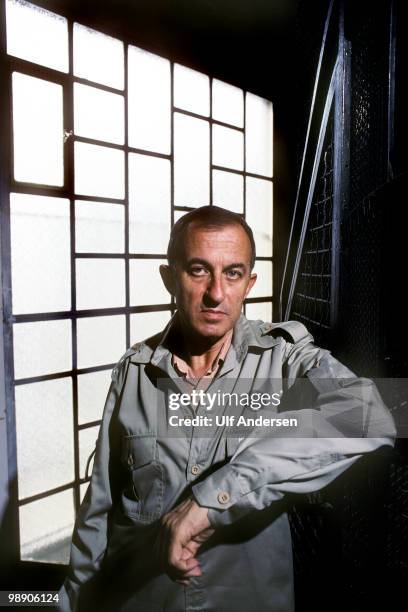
(213,329)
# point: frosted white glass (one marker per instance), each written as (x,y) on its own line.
(260,310)
(99,227)
(146,324)
(191,161)
(37,35)
(263,285)
(87,441)
(149,204)
(37,131)
(259,135)
(100,283)
(98,57)
(227,103)
(146,285)
(228,191)
(259,214)
(99,171)
(42,347)
(149,117)
(45,442)
(46,528)
(40,253)
(92,392)
(228,148)
(82,490)
(101,340)
(98,114)
(191,90)
(178,214)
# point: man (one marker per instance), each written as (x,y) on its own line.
(193,522)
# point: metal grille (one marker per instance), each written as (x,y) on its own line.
(311,304)
(369,31)
(353,535)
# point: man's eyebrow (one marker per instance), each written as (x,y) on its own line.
(203,262)
(235,265)
(197,260)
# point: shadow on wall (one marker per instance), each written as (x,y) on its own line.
(23,575)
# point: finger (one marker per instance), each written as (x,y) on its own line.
(196,571)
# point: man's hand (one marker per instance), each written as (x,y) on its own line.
(182,532)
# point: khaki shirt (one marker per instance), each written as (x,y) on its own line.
(139,474)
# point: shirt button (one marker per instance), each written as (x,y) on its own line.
(130,460)
(223,497)
(195,470)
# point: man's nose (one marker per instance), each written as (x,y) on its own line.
(215,290)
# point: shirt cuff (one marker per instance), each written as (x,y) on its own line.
(219,491)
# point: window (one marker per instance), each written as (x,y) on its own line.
(115,144)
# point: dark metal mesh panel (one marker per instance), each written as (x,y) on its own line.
(367,26)
(311,303)
(351,539)
(360,310)
(362,221)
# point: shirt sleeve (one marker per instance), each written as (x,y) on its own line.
(89,539)
(347,420)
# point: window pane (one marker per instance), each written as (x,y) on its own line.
(46,528)
(146,286)
(98,57)
(42,347)
(101,340)
(37,35)
(40,253)
(37,131)
(100,283)
(98,114)
(146,324)
(259,214)
(82,490)
(191,161)
(263,285)
(191,90)
(228,191)
(227,103)
(260,310)
(178,214)
(46,459)
(228,148)
(92,392)
(87,440)
(99,171)
(149,101)
(259,133)
(149,204)
(99,227)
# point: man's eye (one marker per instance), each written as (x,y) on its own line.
(198,271)
(234,273)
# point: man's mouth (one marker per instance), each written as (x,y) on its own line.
(213,315)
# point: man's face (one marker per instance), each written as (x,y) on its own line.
(213,279)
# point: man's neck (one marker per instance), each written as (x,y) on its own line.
(200,354)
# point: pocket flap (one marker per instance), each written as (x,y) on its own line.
(138,450)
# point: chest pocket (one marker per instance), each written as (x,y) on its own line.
(143,495)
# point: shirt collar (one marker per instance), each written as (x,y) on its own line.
(245,334)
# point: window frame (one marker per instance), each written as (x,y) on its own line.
(9,185)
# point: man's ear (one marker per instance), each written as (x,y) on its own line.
(251,283)
(167,276)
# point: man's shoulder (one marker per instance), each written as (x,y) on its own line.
(291,331)
(140,352)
